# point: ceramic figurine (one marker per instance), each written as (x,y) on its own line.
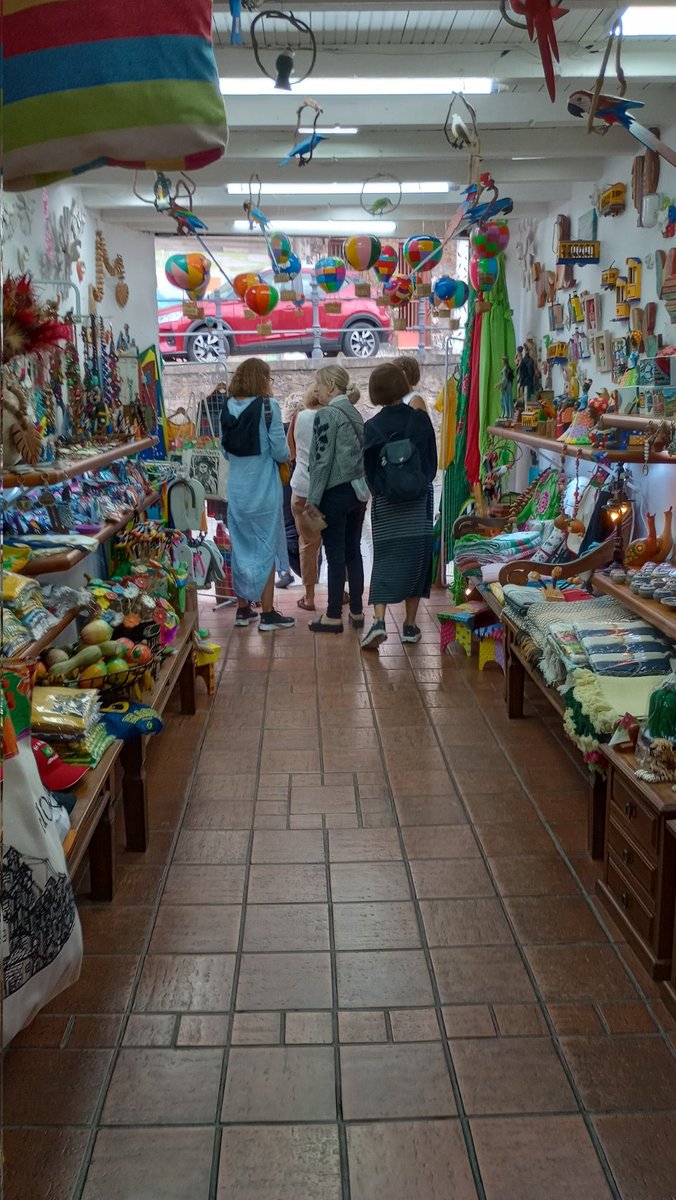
(572,384)
(506,386)
(642,550)
(526,375)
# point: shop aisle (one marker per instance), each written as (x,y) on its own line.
(363,963)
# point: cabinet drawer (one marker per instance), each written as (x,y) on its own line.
(634,862)
(637,913)
(635,815)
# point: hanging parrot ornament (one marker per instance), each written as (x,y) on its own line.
(612,110)
(236,27)
(540,17)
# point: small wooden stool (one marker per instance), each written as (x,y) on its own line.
(491,646)
(461,622)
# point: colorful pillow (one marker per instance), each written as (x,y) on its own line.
(90,83)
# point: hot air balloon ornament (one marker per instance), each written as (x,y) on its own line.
(261,298)
(483,275)
(361,253)
(280,250)
(191,273)
(448,294)
(330,275)
(399,291)
(422,252)
(241,284)
(286,274)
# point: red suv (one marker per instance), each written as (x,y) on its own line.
(358,329)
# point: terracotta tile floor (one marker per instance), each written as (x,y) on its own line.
(360,961)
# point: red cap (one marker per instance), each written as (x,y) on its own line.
(58,776)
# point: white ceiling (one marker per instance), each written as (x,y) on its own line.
(535,150)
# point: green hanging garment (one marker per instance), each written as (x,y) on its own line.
(456,488)
(497,341)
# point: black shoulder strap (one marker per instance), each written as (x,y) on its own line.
(267,408)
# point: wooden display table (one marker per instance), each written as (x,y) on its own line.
(517,668)
(669,987)
(176,671)
(121,775)
(639,867)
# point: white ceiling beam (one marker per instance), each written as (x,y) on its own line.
(355,7)
(641,59)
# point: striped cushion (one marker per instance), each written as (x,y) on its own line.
(91,83)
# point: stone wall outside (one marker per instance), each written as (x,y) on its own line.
(185,383)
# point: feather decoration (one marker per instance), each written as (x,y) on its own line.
(28,326)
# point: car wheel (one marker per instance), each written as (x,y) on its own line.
(207,345)
(361,341)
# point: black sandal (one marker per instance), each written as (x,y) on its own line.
(320,626)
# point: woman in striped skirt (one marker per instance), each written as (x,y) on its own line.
(403,534)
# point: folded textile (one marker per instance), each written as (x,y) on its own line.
(504,548)
(626,648)
(596,703)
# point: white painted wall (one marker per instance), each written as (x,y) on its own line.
(620,238)
(24,247)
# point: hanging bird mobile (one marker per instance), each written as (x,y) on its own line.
(540,17)
(613,110)
(303,150)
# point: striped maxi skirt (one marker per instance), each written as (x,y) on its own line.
(403,546)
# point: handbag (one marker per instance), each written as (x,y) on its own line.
(285,469)
(180,431)
(314,524)
(41,933)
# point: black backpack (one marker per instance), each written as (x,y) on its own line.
(402,478)
(241,435)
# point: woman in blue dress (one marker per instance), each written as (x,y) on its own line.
(255,444)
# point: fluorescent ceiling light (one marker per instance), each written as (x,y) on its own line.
(528,157)
(342,130)
(344,189)
(329,227)
(649,22)
(366,86)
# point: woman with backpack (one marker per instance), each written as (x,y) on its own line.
(337,492)
(400,457)
(255,445)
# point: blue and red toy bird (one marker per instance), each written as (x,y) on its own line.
(540,17)
(612,110)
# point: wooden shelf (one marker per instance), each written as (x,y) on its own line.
(516,433)
(658,795)
(656,614)
(36,648)
(61,470)
(65,560)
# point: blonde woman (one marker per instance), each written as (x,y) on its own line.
(409,365)
(255,445)
(336,471)
(309,539)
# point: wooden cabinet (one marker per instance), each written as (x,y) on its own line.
(669,987)
(639,870)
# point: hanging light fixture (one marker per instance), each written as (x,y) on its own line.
(285,60)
